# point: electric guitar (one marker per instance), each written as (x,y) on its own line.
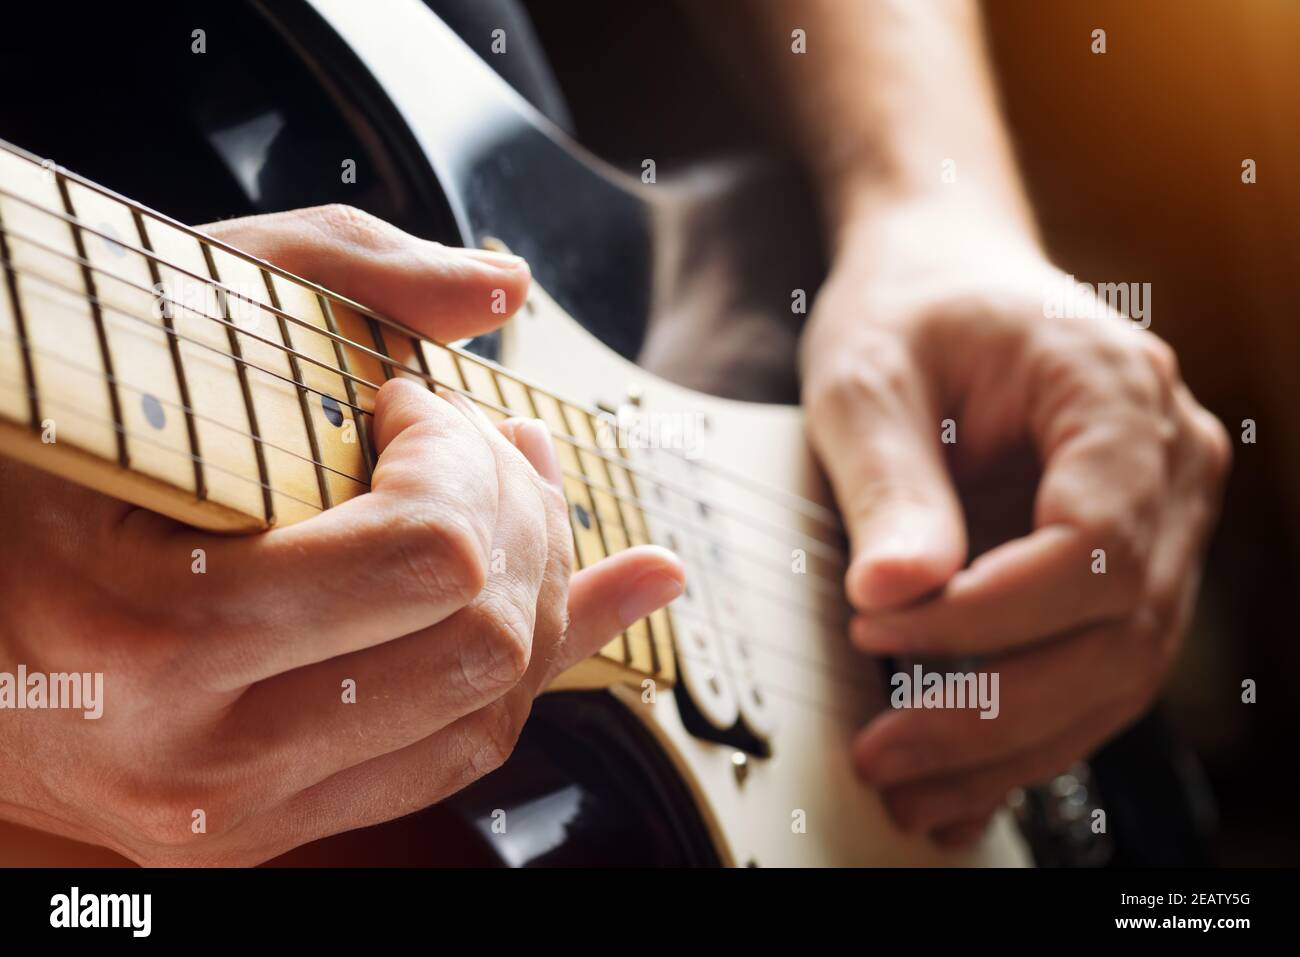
(188,378)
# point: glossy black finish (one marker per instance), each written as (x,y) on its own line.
(585,786)
(125,101)
(587,238)
(715,252)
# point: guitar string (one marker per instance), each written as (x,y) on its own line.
(824,584)
(848,668)
(82,294)
(824,581)
(792,501)
(122,383)
(836,711)
(808,508)
(738,677)
(678,524)
(570,440)
(826,551)
(834,623)
(827,668)
(471,397)
(178,406)
(148,440)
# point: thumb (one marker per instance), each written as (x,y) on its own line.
(445,292)
(878,440)
(613,594)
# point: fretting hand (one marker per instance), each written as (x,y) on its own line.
(223,692)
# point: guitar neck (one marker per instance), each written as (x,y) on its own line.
(162,367)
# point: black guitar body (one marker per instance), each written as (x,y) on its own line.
(262,121)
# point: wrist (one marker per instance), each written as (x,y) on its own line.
(874,219)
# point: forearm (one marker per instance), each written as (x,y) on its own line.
(888,92)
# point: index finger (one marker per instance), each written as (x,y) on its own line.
(446,292)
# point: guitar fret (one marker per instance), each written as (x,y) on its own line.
(241,370)
(594,468)
(276,382)
(423,362)
(662,636)
(646,645)
(613,521)
(380,346)
(514,395)
(363,430)
(334,422)
(32,400)
(152,341)
(365,371)
(308,420)
(97,316)
(590,545)
(51,293)
(191,427)
(591,542)
(143,373)
(443,366)
(479,382)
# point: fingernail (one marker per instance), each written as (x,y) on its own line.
(914,553)
(493,258)
(533,439)
(650,593)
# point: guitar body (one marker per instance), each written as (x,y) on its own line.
(662,274)
(712,800)
(750,809)
(669,305)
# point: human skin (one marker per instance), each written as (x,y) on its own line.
(223,691)
(933,311)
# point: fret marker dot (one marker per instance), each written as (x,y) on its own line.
(153,411)
(333,411)
(583,518)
